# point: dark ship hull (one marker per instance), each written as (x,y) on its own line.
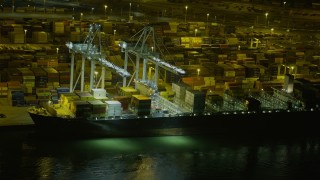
(268,124)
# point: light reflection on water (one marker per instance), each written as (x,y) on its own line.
(180,157)
(140,144)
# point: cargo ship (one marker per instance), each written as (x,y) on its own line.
(73,117)
(267,124)
(148,113)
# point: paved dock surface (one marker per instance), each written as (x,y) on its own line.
(15,116)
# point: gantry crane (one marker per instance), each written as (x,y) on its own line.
(91,50)
(142,49)
(143,46)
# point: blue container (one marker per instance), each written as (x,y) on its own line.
(17,95)
(61,90)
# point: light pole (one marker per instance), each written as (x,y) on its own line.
(129,11)
(114,33)
(207,19)
(25,36)
(198,70)
(105,11)
(96,77)
(195,32)
(12,6)
(44,6)
(81,16)
(266,14)
(92,14)
(57,51)
(185,16)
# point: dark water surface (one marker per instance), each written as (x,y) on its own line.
(25,156)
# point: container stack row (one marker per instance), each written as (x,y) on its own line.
(35,77)
(85,105)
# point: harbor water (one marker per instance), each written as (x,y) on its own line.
(23,155)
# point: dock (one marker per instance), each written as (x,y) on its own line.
(15,116)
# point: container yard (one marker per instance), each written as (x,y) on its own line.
(211,67)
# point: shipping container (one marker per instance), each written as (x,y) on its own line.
(179,90)
(195,100)
(28,78)
(16,97)
(98,108)
(41,78)
(113,108)
(124,100)
(52,74)
(128,91)
(12,74)
(81,108)
(141,105)
(62,90)
(85,96)
(99,93)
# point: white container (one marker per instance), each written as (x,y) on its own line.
(113,108)
(99,93)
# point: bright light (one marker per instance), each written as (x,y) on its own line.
(207,19)
(105,10)
(129,11)
(185,16)
(25,36)
(266,18)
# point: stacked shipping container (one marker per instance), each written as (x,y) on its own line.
(113,108)
(141,104)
